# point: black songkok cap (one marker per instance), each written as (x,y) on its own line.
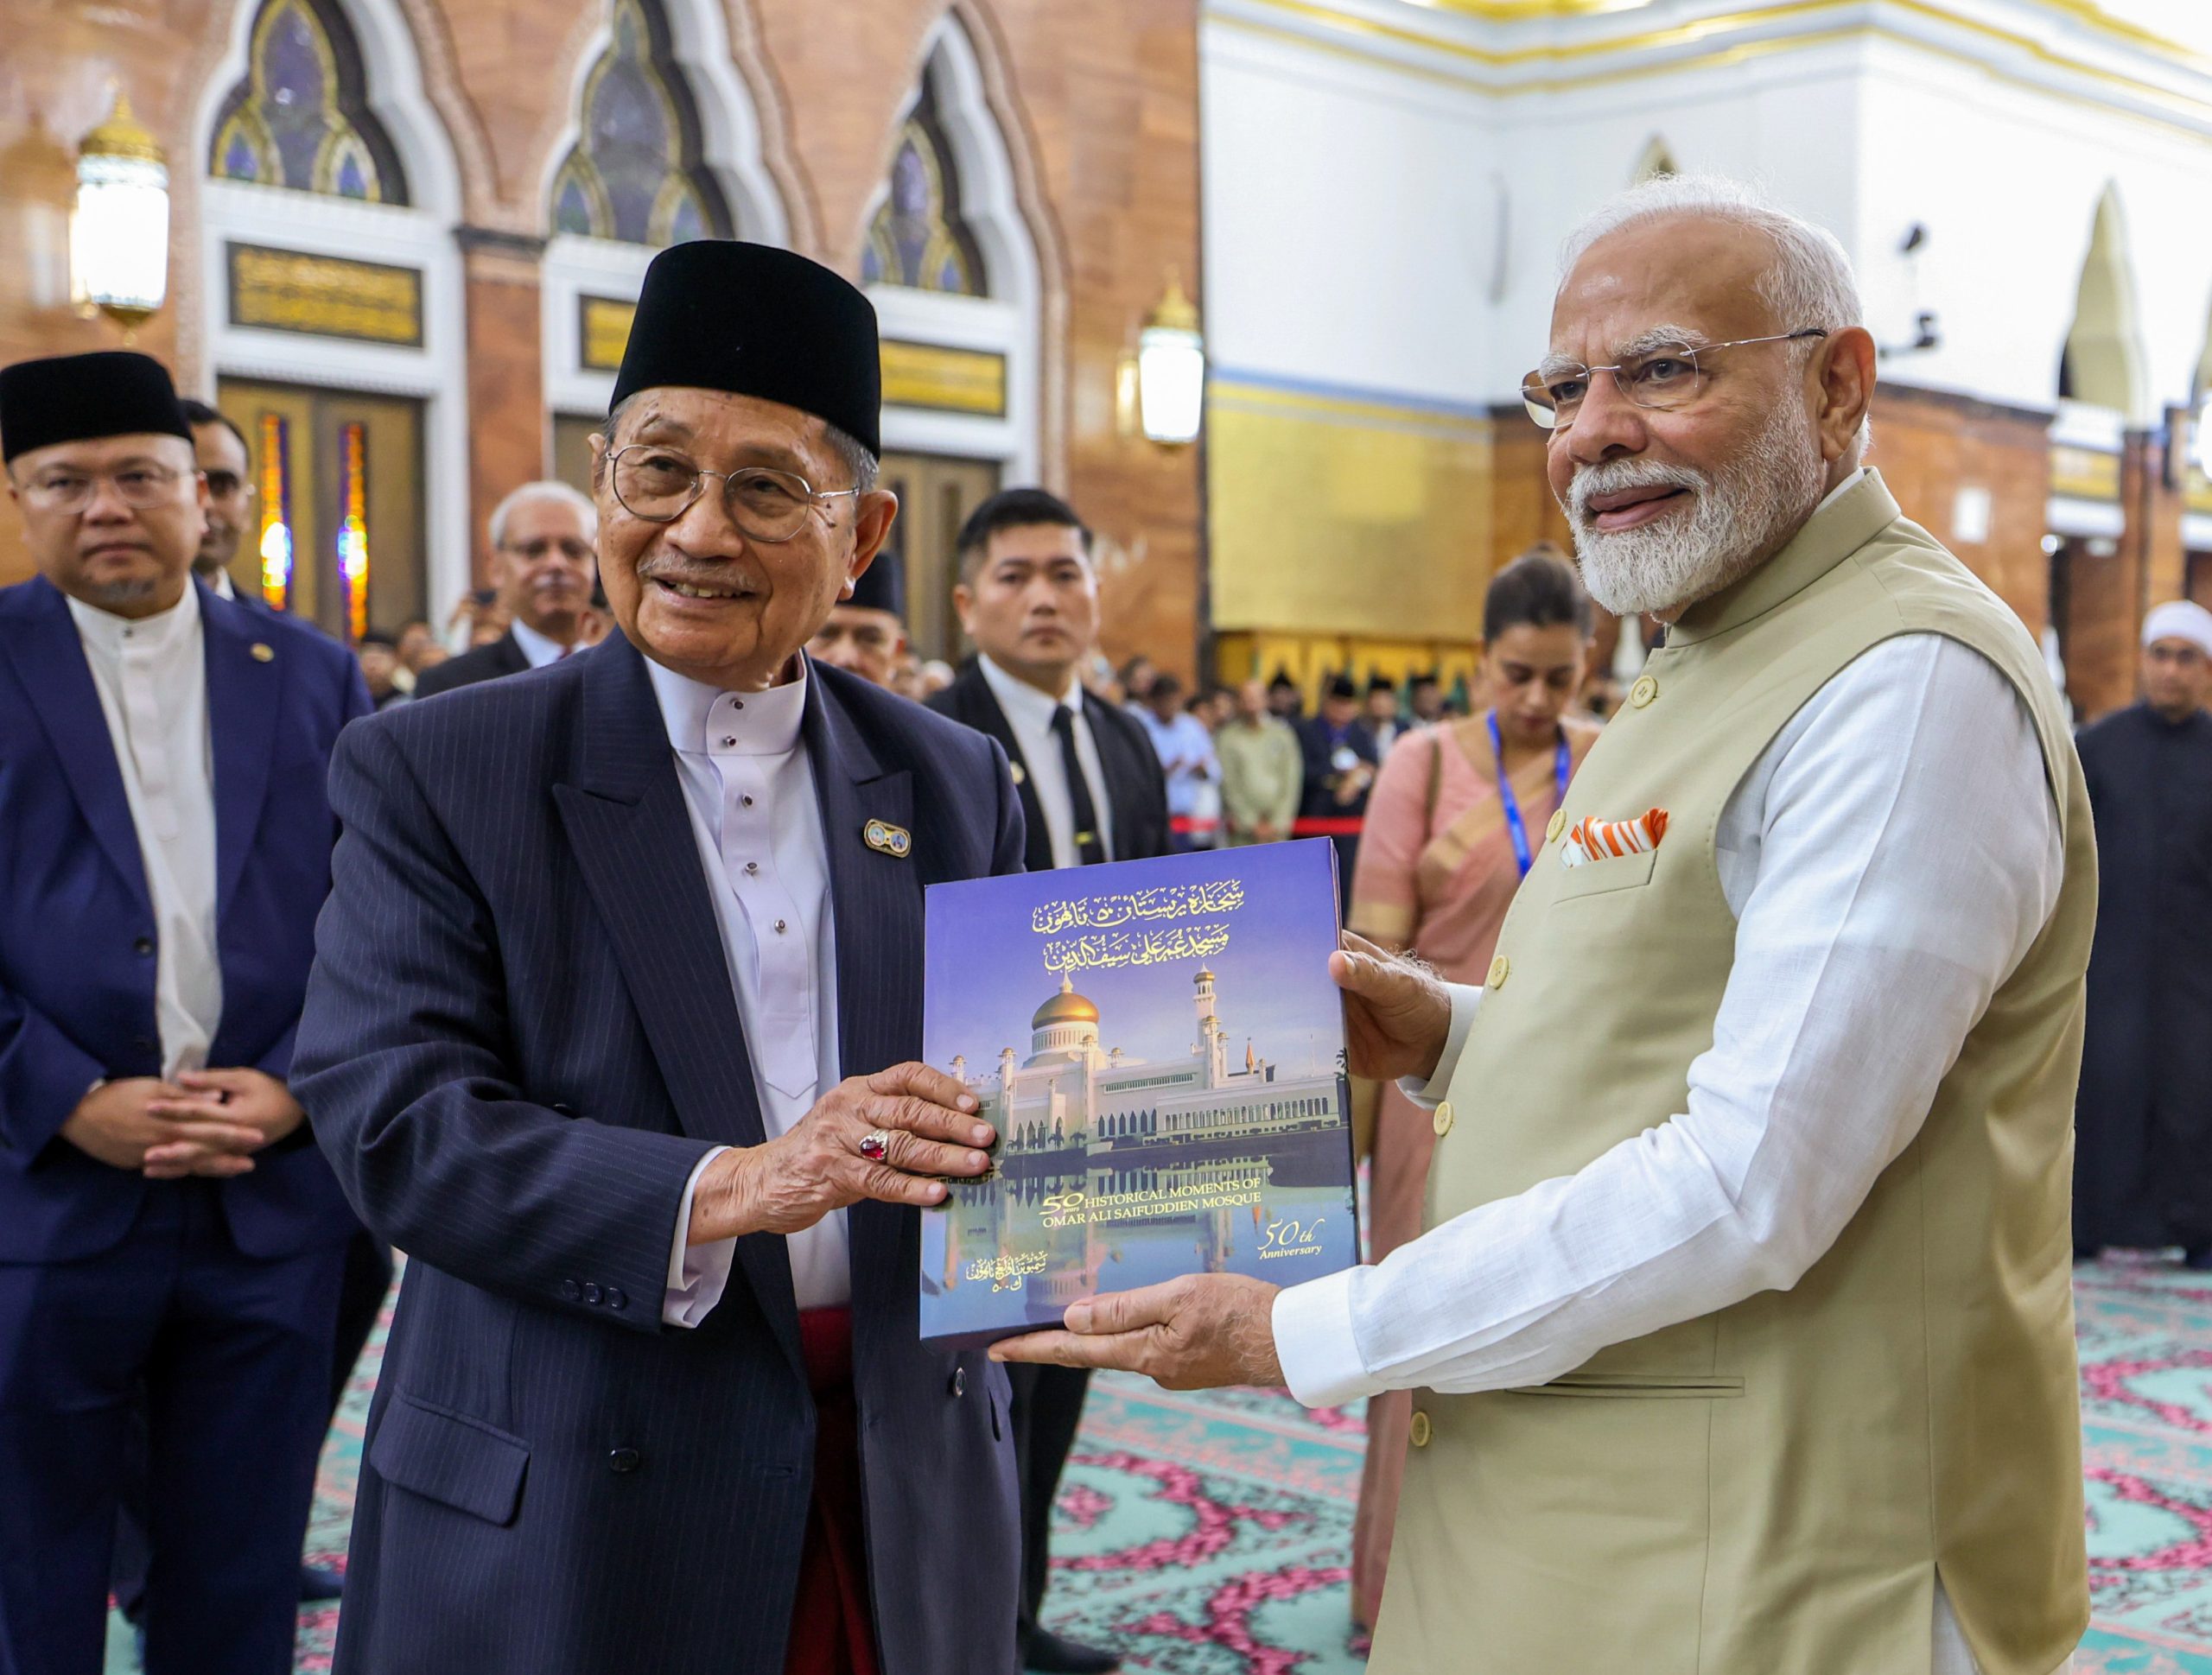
(1381,683)
(77,398)
(882,586)
(717,314)
(1340,686)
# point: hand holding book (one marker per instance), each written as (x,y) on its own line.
(1397,1011)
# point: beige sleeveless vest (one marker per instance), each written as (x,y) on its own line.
(1771,1490)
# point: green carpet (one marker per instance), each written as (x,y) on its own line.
(1209,1534)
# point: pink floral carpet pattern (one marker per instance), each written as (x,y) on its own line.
(1209,1534)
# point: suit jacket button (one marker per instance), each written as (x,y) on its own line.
(959,1381)
(1441,1122)
(617,1297)
(1418,1432)
(623,1459)
(566,1111)
(144,945)
(593,1294)
(146,1043)
(573,1292)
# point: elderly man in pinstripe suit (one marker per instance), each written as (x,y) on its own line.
(604,938)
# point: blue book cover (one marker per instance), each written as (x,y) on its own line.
(1162,1051)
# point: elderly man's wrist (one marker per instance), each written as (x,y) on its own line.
(722,1206)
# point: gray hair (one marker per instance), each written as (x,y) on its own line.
(1810,284)
(560,493)
(860,466)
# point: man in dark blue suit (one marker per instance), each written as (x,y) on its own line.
(612,1031)
(167,1226)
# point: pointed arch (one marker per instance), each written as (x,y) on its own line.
(1014,303)
(299,117)
(920,237)
(1656,161)
(385,120)
(2104,363)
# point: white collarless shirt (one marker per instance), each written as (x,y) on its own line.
(1029,713)
(536,647)
(151,675)
(749,791)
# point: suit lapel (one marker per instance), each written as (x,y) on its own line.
(983,714)
(244,700)
(878,916)
(511,658)
(627,819)
(40,640)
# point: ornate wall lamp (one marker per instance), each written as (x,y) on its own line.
(1163,385)
(119,235)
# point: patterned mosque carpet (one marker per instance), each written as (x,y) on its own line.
(1211,1534)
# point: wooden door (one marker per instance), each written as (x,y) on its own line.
(935,493)
(338,474)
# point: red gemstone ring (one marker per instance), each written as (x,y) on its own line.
(875,1146)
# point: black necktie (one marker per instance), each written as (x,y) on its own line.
(1089,850)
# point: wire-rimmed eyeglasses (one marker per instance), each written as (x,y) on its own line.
(659,484)
(1667,375)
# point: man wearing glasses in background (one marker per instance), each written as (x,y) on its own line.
(170,1239)
(226,467)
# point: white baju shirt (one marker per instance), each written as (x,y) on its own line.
(1867,908)
(750,791)
(536,647)
(1029,713)
(151,675)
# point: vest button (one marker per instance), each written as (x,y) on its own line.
(1643,692)
(1441,1122)
(1500,969)
(1418,1433)
(1559,824)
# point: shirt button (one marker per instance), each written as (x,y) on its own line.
(1419,1431)
(744,802)
(959,1381)
(593,1294)
(1558,825)
(729,741)
(144,945)
(624,1459)
(752,867)
(779,927)
(1441,1122)
(1500,969)
(1643,692)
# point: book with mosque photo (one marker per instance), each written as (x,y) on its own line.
(1161,1050)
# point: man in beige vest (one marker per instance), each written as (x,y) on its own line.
(1742,1335)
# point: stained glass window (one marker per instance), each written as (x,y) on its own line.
(920,238)
(300,117)
(276,511)
(636,174)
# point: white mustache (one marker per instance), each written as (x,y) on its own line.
(1617,476)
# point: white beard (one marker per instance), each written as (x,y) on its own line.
(1736,519)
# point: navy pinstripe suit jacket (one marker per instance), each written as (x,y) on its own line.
(519,1038)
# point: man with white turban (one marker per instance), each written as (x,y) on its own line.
(2143,1174)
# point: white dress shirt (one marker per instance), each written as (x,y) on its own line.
(151,675)
(535,647)
(750,792)
(1029,713)
(221,581)
(1890,859)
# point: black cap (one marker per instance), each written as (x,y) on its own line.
(76,398)
(1340,686)
(882,586)
(1282,679)
(718,313)
(1381,683)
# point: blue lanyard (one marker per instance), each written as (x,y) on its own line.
(1563,765)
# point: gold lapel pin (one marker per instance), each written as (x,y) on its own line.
(262,654)
(1014,768)
(888,840)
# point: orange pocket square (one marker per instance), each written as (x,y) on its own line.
(1605,839)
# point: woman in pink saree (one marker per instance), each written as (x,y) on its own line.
(1457,815)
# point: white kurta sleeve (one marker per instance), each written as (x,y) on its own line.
(1890,858)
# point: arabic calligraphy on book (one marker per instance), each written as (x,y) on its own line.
(1141,946)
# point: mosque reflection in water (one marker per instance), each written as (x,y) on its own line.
(1115,1172)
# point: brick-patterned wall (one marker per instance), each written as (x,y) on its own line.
(1099,106)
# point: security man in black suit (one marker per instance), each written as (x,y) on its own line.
(1091,790)
(543,568)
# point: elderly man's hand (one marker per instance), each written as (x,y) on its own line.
(1197,1333)
(790,1183)
(1397,1011)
